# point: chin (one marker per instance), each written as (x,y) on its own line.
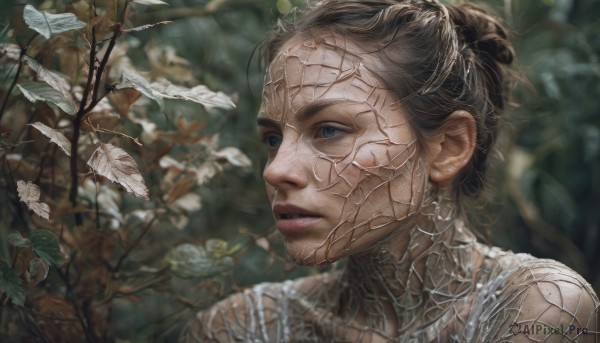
(311,255)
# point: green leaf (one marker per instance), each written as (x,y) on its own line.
(16,240)
(45,244)
(10,283)
(48,24)
(35,91)
(54,79)
(217,248)
(132,79)
(192,261)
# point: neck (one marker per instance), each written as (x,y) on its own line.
(413,275)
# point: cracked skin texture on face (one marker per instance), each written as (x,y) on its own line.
(341,148)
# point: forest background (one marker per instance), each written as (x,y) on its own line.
(130,169)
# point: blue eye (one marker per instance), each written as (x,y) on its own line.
(329,132)
(272,141)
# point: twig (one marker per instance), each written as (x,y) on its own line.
(102,66)
(10,182)
(14,81)
(12,86)
(92,86)
(134,244)
(70,295)
(142,287)
(77,128)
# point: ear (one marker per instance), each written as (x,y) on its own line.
(452,146)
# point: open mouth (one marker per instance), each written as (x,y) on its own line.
(294,216)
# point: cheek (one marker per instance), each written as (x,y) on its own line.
(270,191)
(383,183)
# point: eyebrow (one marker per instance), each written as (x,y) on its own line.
(305,113)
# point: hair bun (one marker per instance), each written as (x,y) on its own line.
(482,32)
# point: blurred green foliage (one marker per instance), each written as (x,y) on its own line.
(552,137)
(546,195)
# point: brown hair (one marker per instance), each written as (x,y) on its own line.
(436,58)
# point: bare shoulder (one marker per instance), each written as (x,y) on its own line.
(219,323)
(543,300)
(254,314)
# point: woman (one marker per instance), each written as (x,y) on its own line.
(378,117)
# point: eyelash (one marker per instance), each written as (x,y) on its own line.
(267,138)
(338,131)
(267,143)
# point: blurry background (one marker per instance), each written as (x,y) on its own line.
(546,192)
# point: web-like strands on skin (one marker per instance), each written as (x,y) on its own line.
(441,286)
(355,180)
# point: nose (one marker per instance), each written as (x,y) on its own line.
(287,168)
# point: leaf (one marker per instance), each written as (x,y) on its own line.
(132,79)
(150,130)
(29,193)
(16,240)
(38,271)
(169,162)
(55,137)
(35,91)
(10,283)
(149,2)
(116,165)
(206,171)
(12,51)
(48,24)
(122,99)
(45,244)
(199,94)
(233,156)
(189,202)
(192,261)
(217,248)
(51,78)
(147,26)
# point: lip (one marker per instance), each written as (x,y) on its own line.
(294,225)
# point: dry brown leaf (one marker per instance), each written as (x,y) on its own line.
(199,94)
(189,128)
(179,189)
(118,166)
(29,193)
(188,202)
(56,306)
(233,156)
(164,61)
(122,99)
(207,171)
(55,137)
(12,51)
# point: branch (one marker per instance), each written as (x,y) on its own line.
(12,86)
(70,295)
(95,77)
(134,244)
(14,81)
(77,128)
(102,66)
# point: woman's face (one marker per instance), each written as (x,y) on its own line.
(343,168)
